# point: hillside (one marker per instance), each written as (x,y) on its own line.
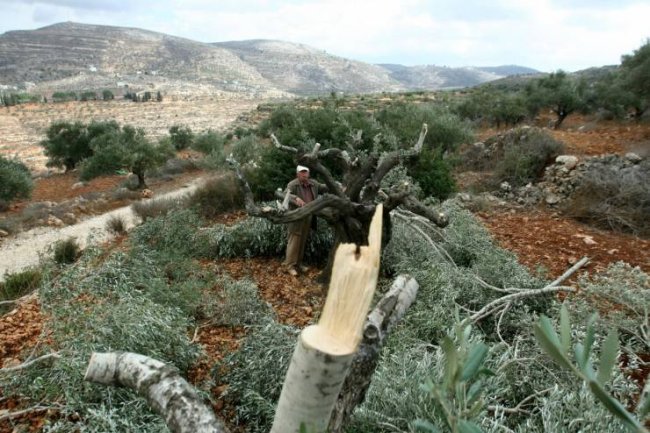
(72,56)
(301,69)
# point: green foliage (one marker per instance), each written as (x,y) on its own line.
(246,150)
(446,130)
(211,144)
(181,136)
(174,233)
(20,283)
(254,237)
(635,71)
(216,196)
(15,181)
(255,374)
(614,198)
(559,91)
(64,96)
(458,394)
(66,144)
(126,148)
(88,96)
(433,174)
(577,359)
(274,170)
(107,95)
(492,106)
(518,156)
(622,295)
(237,303)
(66,251)
(104,303)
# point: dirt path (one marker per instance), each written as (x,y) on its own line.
(24,249)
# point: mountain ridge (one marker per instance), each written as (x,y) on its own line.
(76,56)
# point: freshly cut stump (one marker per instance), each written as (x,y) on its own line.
(324,352)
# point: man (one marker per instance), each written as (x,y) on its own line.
(302,191)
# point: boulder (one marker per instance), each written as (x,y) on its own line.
(54,221)
(78,185)
(633,157)
(569,162)
(3,234)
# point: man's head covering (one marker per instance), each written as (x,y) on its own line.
(301,168)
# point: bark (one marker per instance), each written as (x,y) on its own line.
(387,313)
(165,390)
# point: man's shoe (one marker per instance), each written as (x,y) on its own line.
(292,272)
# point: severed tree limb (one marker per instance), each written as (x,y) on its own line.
(386,314)
(19,413)
(54,355)
(552,287)
(281,146)
(165,390)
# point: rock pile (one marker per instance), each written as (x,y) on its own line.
(563,177)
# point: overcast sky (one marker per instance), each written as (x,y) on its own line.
(543,34)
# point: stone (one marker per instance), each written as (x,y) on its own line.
(463,196)
(505,186)
(569,162)
(552,198)
(78,185)
(70,218)
(147,193)
(3,234)
(54,221)
(633,157)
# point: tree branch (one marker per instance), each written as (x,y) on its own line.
(165,390)
(19,413)
(281,146)
(552,287)
(54,355)
(387,313)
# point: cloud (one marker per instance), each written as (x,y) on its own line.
(95,5)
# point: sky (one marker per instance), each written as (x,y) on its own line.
(546,35)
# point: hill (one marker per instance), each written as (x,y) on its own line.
(73,56)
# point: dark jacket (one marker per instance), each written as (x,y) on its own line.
(296,191)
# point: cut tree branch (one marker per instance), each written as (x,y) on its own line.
(29,363)
(165,390)
(552,287)
(387,313)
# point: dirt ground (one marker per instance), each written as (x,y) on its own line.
(22,127)
(539,237)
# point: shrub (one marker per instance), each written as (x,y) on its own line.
(15,181)
(146,209)
(20,283)
(181,136)
(246,150)
(614,198)
(518,156)
(66,251)
(237,304)
(175,232)
(116,225)
(433,174)
(107,95)
(275,170)
(216,196)
(208,142)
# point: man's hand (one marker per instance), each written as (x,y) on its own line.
(300,202)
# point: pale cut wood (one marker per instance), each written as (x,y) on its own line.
(324,352)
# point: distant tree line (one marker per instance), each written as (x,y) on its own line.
(622,92)
(11,99)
